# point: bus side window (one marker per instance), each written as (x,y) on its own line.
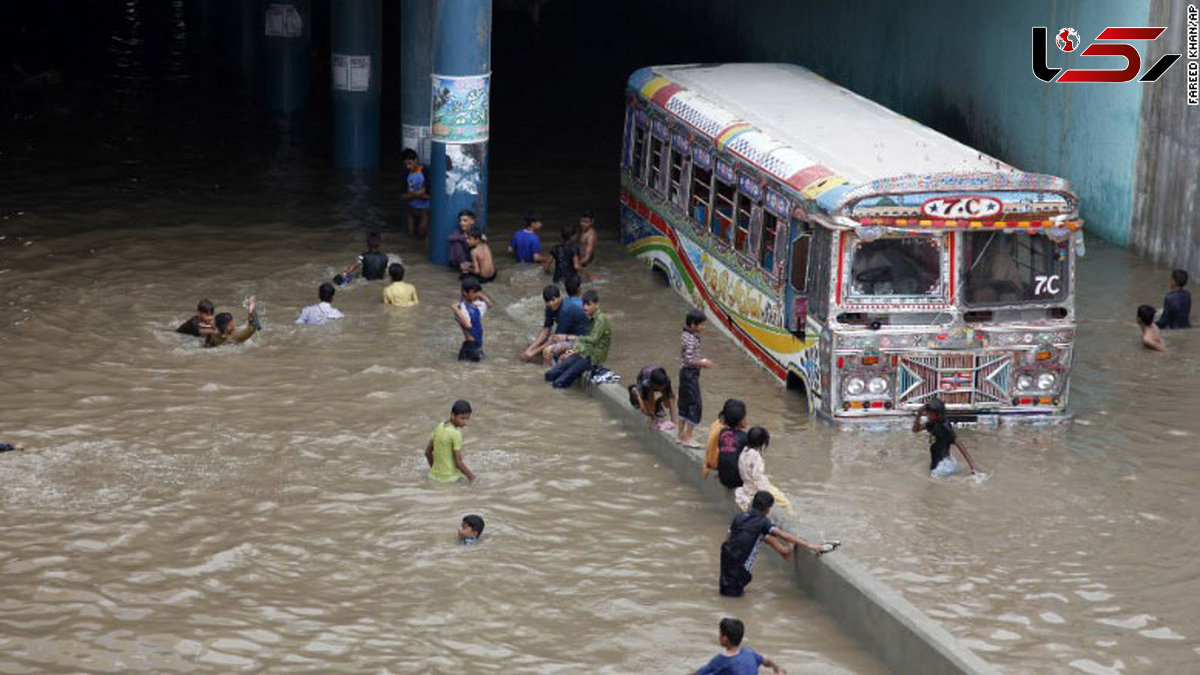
(722,222)
(766,244)
(639,152)
(676,187)
(818,273)
(656,164)
(799,266)
(745,213)
(701,193)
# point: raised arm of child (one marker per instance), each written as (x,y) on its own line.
(966,456)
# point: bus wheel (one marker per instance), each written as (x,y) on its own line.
(796,384)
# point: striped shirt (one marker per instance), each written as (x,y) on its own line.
(689,351)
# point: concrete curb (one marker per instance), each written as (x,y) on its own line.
(870,611)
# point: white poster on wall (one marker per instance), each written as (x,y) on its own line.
(283,20)
(351,73)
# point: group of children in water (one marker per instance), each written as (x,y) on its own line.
(1176,313)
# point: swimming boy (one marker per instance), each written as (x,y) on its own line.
(587,241)
(565,256)
(226,332)
(201,324)
(470,320)
(416,195)
(690,403)
(372,262)
(444,450)
(1177,305)
(470,530)
(399,293)
(746,532)
(553,301)
(1151,338)
(941,437)
(590,350)
(460,251)
(525,246)
(736,659)
(323,311)
(481,264)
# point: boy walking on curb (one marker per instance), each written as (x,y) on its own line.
(690,403)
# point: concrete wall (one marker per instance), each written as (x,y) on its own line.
(876,615)
(964,69)
(1166,203)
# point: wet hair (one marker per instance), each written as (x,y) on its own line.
(396,271)
(733,412)
(569,231)
(571,284)
(205,306)
(1145,315)
(1180,278)
(532,217)
(935,405)
(474,522)
(694,317)
(590,296)
(373,241)
(408,154)
(223,319)
(659,379)
(471,283)
(475,233)
(758,438)
(325,292)
(467,212)
(733,630)
(762,501)
(550,292)
(586,214)
(460,407)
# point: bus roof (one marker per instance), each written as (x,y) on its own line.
(821,139)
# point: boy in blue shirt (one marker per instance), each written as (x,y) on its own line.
(1177,305)
(416,194)
(525,244)
(736,659)
(470,530)
(470,320)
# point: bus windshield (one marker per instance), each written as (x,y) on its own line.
(1008,268)
(896,266)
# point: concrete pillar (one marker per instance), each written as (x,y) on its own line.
(287,34)
(416,65)
(459,115)
(356,58)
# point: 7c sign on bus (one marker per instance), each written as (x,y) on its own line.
(1115,43)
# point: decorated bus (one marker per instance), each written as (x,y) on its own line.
(860,257)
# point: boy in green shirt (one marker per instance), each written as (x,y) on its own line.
(444,450)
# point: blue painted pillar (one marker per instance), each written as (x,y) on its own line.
(416,65)
(356,61)
(462,64)
(287,35)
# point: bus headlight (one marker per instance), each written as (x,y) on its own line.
(1046,381)
(877,385)
(1024,382)
(855,386)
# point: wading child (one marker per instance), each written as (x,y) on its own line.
(460,251)
(1151,338)
(226,332)
(201,324)
(322,311)
(587,242)
(726,438)
(590,350)
(470,320)
(444,450)
(651,394)
(941,437)
(470,530)
(416,195)
(481,264)
(373,263)
(746,532)
(553,301)
(565,256)
(12,447)
(690,404)
(399,293)
(753,471)
(525,246)
(736,659)
(1177,305)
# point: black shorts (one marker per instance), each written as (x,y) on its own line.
(690,405)
(734,576)
(470,351)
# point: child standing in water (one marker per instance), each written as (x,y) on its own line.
(470,530)
(690,404)
(444,450)
(399,293)
(201,324)
(736,659)
(1151,338)
(587,242)
(941,437)
(416,195)
(470,320)
(746,532)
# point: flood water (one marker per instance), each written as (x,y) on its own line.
(265,506)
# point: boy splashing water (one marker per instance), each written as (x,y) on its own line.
(941,437)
